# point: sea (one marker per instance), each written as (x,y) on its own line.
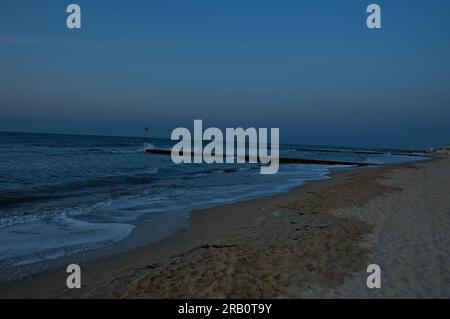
(68,198)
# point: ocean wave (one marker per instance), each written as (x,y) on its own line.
(218,171)
(35,216)
(56,191)
(78,236)
(13,200)
(21,219)
(152,170)
(133,150)
(147,146)
(64,150)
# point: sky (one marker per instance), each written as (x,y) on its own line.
(311,68)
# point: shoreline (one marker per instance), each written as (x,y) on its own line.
(289,245)
(173,221)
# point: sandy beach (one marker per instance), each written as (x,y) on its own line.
(314,242)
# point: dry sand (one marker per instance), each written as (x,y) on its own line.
(313,242)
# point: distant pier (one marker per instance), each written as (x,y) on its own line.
(282,160)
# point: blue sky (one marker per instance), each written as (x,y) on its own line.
(311,68)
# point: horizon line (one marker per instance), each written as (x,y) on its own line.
(168,138)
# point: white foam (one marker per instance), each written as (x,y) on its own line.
(56,237)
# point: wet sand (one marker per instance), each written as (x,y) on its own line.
(314,242)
